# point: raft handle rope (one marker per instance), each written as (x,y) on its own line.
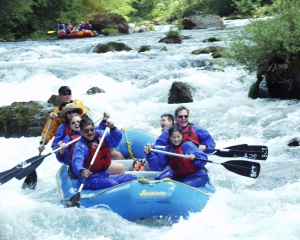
(129,144)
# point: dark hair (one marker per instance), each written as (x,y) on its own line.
(174,129)
(180,108)
(169,116)
(85,122)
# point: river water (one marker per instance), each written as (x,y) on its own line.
(136,91)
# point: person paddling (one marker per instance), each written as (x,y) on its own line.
(188,170)
(65,96)
(97,177)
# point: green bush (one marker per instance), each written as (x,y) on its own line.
(173,33)
(109,31)
(271,44)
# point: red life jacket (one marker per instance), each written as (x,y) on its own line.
(188,133)
(103,159)
(67,130)
(181,167)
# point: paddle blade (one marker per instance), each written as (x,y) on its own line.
(254,152)
(9,174)
(30,181)
(74,201)
(50,32)
(31,168)
(244,168)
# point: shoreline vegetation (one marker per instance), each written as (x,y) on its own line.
(31,19)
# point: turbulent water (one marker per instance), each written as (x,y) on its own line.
(136,92)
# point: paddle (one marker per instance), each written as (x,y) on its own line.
(244,168)
(254,152)
(31,180)
(27,166)
(50,32)
(74,201)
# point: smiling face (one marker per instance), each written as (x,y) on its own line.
(165,123)
(74,123)
(176,138)
(88,132)
(182,118)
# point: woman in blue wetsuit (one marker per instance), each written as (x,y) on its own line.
(188,170)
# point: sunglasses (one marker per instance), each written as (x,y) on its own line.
(66,93)
(181,116)
(74,111)
(89,130)
(73,123)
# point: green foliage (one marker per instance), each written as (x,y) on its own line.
(123,7)
(173,33)
(270,44)
(247,7)
(109,31)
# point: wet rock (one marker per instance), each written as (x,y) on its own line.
(203,21)
(294,142)
(94,90)
(144,49)
(24,119)
(180,93)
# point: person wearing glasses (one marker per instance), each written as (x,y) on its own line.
(64,129)
(63,155)
(98,176)
(65,96)
(62,137)
(189,170)
(190,132)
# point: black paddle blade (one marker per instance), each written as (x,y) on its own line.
(9,174)
(30,181)
(254,152)
(74,201)
(27,171)
(244,168)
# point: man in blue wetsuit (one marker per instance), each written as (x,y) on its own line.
(191,132)
(97,177)
(61,27)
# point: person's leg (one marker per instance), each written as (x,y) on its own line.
(198,179)
(168,173)
(121,178)
(116,155)
(116,168)
(99,183)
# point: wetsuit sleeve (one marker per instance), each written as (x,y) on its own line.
(64,158)
(113,138)
(59,135)
(80,153)
(55,123)
(157,162)
(205,137)
(102,125)
(162,140)
(190,148)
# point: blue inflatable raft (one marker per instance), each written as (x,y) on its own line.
(143,198)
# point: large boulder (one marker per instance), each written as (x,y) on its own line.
(24,119)
(180,93)
(111,47)
(203,21)
(100,21)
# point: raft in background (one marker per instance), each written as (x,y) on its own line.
(142,198)
(76,34)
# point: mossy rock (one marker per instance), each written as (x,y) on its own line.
(144,49)
(164,49)
(23,119)
(116,46)
(54,99)
(171,40)
(102,48)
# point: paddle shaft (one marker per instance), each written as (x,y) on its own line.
(94,157)
(181,155)
(243,168)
